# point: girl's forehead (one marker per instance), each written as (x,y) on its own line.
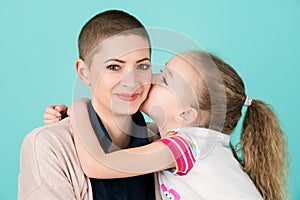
(179,66)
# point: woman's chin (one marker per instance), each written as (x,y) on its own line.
(144,109)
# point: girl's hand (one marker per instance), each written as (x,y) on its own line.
(55,113)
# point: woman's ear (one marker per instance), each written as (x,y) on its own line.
(82,71)
(188,117)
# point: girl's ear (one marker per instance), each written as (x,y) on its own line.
(82,71)
(188,117)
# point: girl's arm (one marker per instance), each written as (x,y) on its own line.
(123,163)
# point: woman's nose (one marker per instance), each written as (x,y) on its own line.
(130,79)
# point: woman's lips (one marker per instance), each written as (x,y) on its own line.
(128,97)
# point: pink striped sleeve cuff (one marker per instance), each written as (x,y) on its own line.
(182,152)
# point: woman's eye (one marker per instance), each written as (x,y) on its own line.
(113,67)
(163,79)
(144,66)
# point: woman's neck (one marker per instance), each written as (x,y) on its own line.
(117,126)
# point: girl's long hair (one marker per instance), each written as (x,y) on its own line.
(262,143)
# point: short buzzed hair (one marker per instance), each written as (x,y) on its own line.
(105,25)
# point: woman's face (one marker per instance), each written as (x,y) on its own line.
(120,75)
(171,94)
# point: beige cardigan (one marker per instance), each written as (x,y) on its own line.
(49,166)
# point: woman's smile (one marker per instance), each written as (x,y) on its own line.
(127,96)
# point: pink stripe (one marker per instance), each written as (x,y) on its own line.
(183,147)
(189,157)
(182,153)
(188,148)
(181,165)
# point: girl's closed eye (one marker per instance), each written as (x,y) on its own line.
(164,80)
(113,67)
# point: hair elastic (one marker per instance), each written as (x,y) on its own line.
(248,101)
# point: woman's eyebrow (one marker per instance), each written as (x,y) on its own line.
(122,61)
(143,59)
(114,59)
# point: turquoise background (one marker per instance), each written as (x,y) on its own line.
(38,47)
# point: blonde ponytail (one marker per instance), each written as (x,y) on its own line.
(263,144)
(264,151)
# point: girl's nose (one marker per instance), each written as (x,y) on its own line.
(155,78)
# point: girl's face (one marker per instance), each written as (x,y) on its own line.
(171,94)
(120,75)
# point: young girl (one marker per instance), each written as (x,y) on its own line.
(199,98)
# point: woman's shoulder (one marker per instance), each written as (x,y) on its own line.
(48,159)
(50,145)
(48,136)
